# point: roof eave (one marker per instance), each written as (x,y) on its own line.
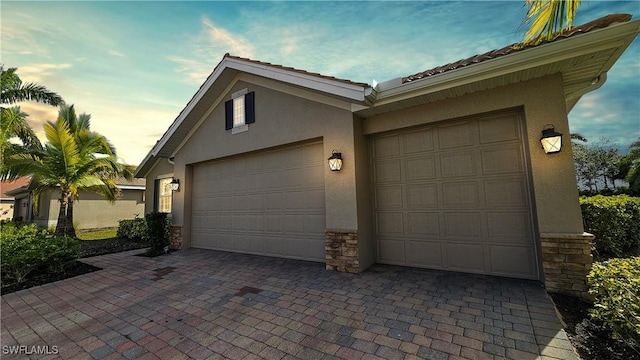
(616,35)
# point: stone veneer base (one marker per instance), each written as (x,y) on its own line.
(175,241)
(567,259)
(341,249)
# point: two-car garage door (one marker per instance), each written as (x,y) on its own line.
(267,203)
(455,197)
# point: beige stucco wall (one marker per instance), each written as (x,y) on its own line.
(6,209)
(366,243)
(542,100)
(91,211)
(281,118)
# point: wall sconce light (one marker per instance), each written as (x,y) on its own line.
(551,140)
(174,185)
(335,161)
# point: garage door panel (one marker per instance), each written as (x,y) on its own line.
(388,171)
(499,129)
(512,226)
(262,203)
(513,260)
(466,257)
(425,224)
(418,141)
(386,146)
(455,196)
(389,197)
(420,196)
(424,254)
(460,164)
(461,195)
(392,251)
(390,223)
(420,168)
(463,225)
(456,135)
(502,161)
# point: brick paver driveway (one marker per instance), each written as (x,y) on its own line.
(207,304)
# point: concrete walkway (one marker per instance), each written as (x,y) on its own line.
(208,305)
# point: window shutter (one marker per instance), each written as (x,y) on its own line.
(249,108)
(228,115)
(156,194)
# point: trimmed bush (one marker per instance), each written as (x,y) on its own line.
(614,220)
(158,227)
(615,286)
(28,248)
(133,229)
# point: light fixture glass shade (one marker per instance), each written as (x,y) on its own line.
(174,185)
(335,161)
(551,140)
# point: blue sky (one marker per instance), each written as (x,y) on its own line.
(134,65)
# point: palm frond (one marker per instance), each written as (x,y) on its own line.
(547,18)
(31,92)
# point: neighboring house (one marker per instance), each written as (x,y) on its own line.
(7,201)
(90,211)
(442,169)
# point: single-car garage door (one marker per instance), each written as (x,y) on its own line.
(455,196)
(268,203)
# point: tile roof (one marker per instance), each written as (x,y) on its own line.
(229,56)
(6,186)
(600,23)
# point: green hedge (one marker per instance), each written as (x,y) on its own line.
(28,248)
(614,220)
(158,229)
(132,229)
(615,286)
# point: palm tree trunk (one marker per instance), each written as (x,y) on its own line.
(64,227)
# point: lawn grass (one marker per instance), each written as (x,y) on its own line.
(97,234)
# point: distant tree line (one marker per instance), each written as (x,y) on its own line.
(600,168)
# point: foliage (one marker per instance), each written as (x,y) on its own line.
(74,159)
(547,18)
(615,286)
(27,248)
(132,229)
(614,220)
(630,168)
(157,232)
(14,90)
(597,164)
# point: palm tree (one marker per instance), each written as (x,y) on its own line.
(13,121)
(547,18)
(13,90)
(74,159)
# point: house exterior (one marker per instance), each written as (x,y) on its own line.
(442,169)
(90,211)
(6,200)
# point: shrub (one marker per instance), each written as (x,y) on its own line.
(614,220)
(615,286)
(158,226)
(133,229)
(27,248)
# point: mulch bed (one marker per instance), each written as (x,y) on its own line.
(88,248)
(591,339)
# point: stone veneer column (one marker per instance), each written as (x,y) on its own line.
(566,260)
(175,241)
(341,248)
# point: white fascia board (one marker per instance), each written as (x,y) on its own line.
(611,37)
(132,187)
(334,87)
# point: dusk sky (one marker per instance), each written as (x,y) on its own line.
(134,65)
